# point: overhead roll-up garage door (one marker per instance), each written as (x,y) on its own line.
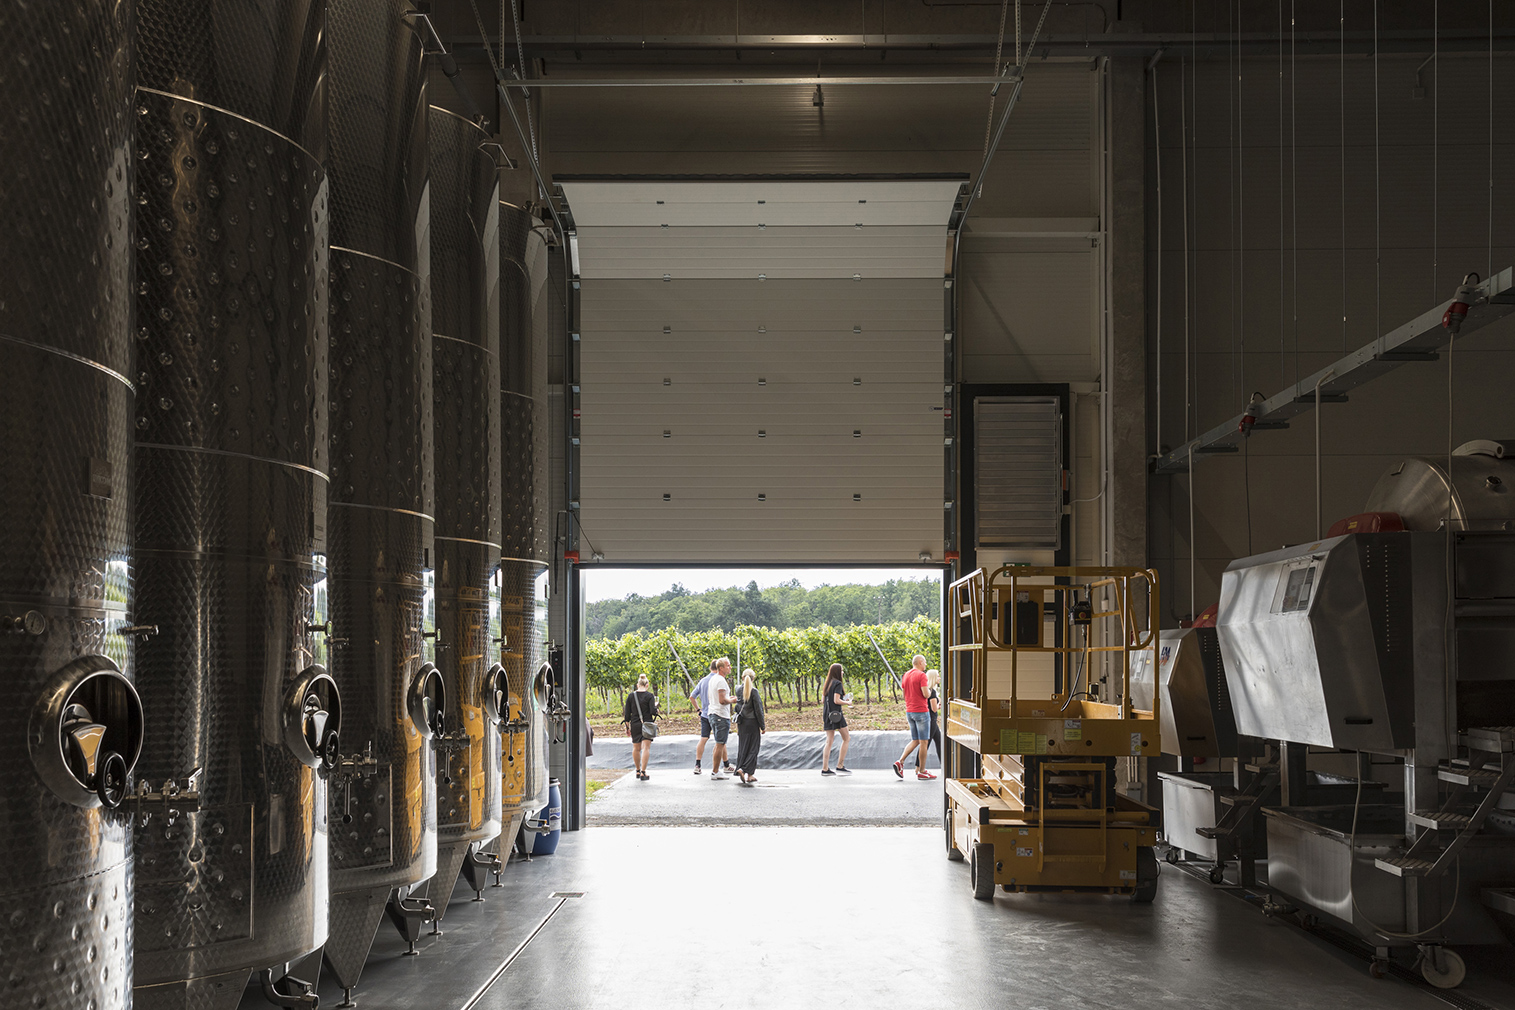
(761,368)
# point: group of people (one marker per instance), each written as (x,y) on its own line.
(719,707)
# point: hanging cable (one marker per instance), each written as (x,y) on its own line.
(999,48)
(1183,115)
(1157,151)
(1294,183)
(1241,210)
(1231,56)
(1283,356)
(1342,137)
(1377,198)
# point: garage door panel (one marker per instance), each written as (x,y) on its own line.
(752,251)
(850,403)
(792,303)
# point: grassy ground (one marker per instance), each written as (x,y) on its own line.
(683,717)
(596,779)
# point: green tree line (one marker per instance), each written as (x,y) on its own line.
(790,663)
(789,605)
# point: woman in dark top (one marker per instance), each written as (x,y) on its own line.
(934,705)
(834,697)
(641,708)
(750,727)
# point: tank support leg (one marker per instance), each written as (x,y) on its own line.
(407,914)
(477,866)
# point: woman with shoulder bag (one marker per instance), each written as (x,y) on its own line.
(750,727)
(640,714)
(834,696)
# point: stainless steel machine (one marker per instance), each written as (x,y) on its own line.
(70,721)
(231,483)
(380,532)
(526,540)
(1400,645)
(465,295)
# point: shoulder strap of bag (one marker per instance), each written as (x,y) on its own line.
(640,713)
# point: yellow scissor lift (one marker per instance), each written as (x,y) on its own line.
(1044,813)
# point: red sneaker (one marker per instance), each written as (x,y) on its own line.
(899,768)
(922,773)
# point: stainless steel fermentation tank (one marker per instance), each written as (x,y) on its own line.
(1396,644)
(379,514)
(70,721)
(465,295)
(526,544)
(231,483)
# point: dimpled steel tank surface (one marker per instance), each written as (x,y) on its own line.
(379,515)
(465,292)
(70,724)
(523,566)
(231,457)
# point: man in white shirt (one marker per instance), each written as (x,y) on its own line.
(718,691)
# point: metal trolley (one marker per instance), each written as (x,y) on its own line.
(1032,654)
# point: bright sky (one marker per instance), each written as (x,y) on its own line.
(617,583)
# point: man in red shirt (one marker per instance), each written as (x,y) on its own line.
(918,711)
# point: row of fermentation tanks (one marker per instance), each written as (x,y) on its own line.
(1343,730)
(273,505)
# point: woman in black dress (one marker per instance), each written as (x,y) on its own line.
(834,698)
(934,704)
(641,708)
(750,727)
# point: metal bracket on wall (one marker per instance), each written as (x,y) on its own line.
(1418,340)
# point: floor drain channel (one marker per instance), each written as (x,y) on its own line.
(562,899)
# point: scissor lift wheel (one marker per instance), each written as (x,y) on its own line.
(954,854)
(981,871)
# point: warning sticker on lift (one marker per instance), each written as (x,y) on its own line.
(1128,874)
(1025,853)
(1013,742)
(1136,743)
(1073,729)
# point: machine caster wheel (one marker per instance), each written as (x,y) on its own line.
(1173,856)
(1442,968)
(1378,967)
(954,854)
(1218,873)
(981,871)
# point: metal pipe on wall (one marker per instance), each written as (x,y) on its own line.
(69,716)
(381,508)
(465,294)
(231,458)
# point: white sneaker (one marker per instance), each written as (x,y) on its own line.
(716,776)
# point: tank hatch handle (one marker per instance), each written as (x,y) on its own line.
(288,991)
(85,733)
(313,719)
(428,701)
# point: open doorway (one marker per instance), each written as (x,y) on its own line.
(785,626)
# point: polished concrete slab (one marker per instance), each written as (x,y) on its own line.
(875,917)
(802,798)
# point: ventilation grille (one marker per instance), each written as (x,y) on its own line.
(1018,467)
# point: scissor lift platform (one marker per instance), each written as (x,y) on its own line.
(1040,811)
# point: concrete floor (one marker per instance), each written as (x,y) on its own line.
(844,917)
(799,798)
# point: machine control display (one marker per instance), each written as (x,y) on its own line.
(1297,586)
